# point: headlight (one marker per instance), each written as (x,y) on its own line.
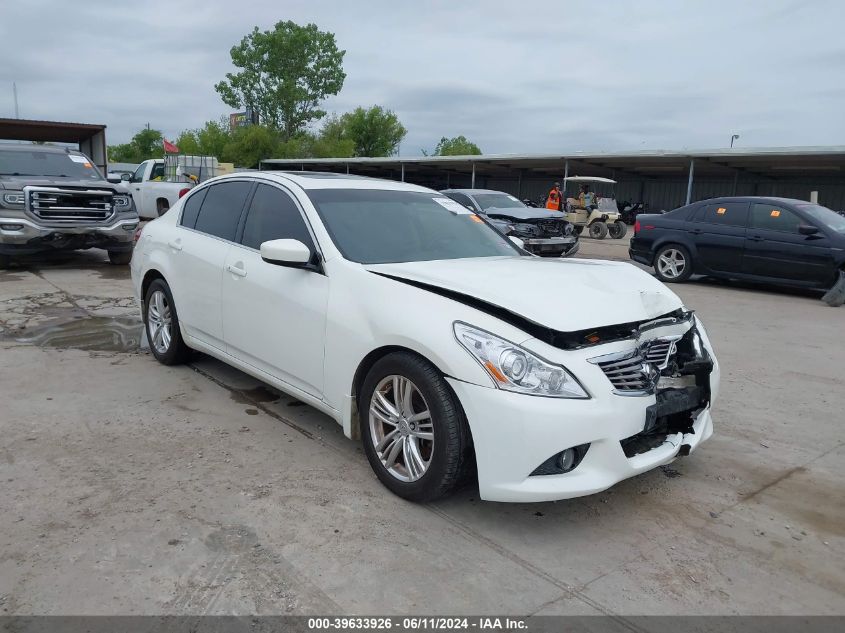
(513,368)
(121,203)
(528,229)
(14,198)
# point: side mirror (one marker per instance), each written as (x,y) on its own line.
(807,229)
(519,243)
(126,177)
(291,253)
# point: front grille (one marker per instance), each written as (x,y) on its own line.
(69,205)
(552,227)
(638,370)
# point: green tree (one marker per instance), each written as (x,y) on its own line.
(209,140)
(332,141)
(457,146)
(375,131)
(146,144)
(248,145)
(284,75)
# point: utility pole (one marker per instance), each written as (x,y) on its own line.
(15,94)
(733,138)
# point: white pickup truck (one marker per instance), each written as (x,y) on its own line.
(152,194)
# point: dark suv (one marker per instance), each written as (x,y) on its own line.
(779,240)
(542,231)
(54,198)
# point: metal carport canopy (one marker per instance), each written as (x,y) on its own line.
(770,162)
(91,138)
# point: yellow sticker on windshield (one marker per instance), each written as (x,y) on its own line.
(775,213)
(721,210)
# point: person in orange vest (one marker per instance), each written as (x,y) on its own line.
(555,199)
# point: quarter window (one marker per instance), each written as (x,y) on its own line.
(273,215)
(727,213)
(191,208)
(221,209)
(773,218)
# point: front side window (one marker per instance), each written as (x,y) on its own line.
(823,215)
(772,217)
(273,215)
(138,176)
(375,226)
(222,208)
(728,213)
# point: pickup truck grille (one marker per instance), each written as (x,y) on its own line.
(54,204)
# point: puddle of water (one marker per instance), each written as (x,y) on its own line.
(95,334)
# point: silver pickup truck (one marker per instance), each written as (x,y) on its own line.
(54,198)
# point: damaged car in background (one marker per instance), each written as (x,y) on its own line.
(541,231)
(429,335)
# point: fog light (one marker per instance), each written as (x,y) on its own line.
(11,227)
(129,227)
(562,462)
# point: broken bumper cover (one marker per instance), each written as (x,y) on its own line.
(513,434)
(20,236)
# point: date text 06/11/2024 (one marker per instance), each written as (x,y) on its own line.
(417,623)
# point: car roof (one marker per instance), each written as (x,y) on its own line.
(326,180)
(470,192)
(32,147)
(775,199)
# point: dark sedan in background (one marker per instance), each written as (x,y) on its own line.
(543,232)
(776,240)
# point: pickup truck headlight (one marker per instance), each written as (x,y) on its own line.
(513,368)
(121,203)
(16,199)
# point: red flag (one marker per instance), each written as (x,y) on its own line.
(170,148)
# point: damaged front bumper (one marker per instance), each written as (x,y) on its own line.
(616,436)
(551,246)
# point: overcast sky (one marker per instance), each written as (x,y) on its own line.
(513,76)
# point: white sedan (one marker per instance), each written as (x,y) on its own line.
(448,350)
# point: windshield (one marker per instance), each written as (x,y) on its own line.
(825,216)
(374,226)
(38,163)
(497,201)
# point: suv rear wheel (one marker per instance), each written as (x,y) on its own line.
(162,324)
(119,258)
(413,428)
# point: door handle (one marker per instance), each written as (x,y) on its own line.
(755,238)
(236,270)
(695,231)
(176,245)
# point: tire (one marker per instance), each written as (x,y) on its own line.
(448,452)
(120,258)
(682,268)
(5,262)
(162,207)
(158,302)
(617,230)
(598,230)
(577,230)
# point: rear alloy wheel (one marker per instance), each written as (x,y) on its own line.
(413,429)
(598,230)
(673,264)
(120,258)
(617,230)
(162,325)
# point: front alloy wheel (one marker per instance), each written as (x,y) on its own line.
(413,429)
(401,429)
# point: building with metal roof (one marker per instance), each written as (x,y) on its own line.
(89,137)
(662,179)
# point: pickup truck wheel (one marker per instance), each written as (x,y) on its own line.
(162,324)
(617,230)
(5,262)
(598,230)
(673,264)
(119,258)
(162,207)
(413,429)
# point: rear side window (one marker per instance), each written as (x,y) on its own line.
(273,215)
(191,209)
(222,208)
(728,213)
(773,218)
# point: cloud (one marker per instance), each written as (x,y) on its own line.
(532,76)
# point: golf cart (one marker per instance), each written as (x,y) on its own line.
(602,217)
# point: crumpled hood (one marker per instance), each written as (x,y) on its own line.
(527,213)
(562,294)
